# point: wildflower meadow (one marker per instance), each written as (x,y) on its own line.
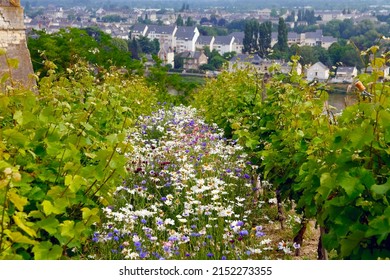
(190,194)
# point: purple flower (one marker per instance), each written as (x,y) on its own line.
(223,258)
(143,254)
(163,198)
(243,232)
(143,221)
(210,255)
(259,234)
(173,238)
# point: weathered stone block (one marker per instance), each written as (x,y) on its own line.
(13,41)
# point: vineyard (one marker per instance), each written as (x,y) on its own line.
(109,166)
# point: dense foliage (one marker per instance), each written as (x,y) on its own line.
(334,168)
(62,155)
(66,47)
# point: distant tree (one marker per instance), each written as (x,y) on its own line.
(134,49)
(291,17)
(190,22)
(345,53)
(120,44)
(282,36)
(237,25)
(257,37)
(204,20)
(251,36)
(213,20)
(265,30)
(68,46)
(112,18)
(178,61)
(222,22)
(179,20)
(148,46)
(274,13)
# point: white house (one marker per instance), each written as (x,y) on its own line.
(238,42)
(138,30)
(313,38)
(317,71)
(345,74)
(204,41)
(327,41)
(384,71)
(186,37)
(164,34)
(223,44)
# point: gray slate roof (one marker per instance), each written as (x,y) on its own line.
(204,40)
(138,28)
(222,40)
(238,37)
(249,58)
(185,32)
(161,29)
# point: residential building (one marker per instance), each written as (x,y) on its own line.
(223,44)
(244,61)
(306,39)
(185,38)
(138,30)
(167,56)
(384,71)
(313,38)
(255,62)
(165,34)
(204,41)
(317,71)
(193,60)
(327,41)
(238,42)
(345,74)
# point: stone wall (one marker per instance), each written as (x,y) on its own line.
(13,40)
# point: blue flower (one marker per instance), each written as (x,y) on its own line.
(210,255)
(243,232)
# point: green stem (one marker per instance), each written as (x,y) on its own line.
(2,218)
